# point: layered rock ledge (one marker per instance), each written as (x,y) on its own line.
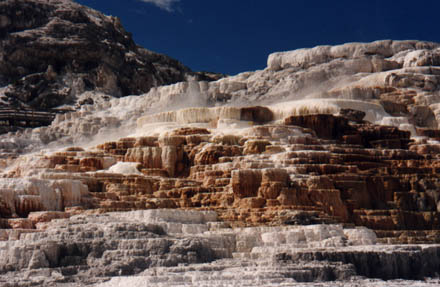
(174,248)
(329,140)
(328,168)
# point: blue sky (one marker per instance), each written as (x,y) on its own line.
(232,36)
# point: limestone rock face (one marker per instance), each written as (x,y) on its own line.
(195,249)
(20,197)
(52,51)
(329,168)
(322,138)
(245,183)
(376,78)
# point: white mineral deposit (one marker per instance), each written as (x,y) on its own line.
(322,169)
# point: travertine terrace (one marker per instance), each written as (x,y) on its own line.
(330,135)
(192,248)
(323,167)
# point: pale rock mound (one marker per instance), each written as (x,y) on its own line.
(393,82)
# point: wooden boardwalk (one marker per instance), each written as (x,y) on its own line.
(25,118)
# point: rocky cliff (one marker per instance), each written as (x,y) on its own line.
(53,51)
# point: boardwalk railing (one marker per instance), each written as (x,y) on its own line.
(26,118)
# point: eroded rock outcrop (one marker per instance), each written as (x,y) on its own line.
(53,51)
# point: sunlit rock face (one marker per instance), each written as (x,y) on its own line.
(22,196)
(323,143)
(330,167)
(173,247)
(394,82)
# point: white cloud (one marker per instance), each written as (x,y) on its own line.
(163,4)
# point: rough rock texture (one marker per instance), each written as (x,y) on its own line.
(330,135)
(393,82)
(175,248)
(52,51)
(330,168)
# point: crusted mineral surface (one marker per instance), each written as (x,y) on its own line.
(192,248)
(323,167)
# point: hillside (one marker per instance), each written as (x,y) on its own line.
(53,51)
